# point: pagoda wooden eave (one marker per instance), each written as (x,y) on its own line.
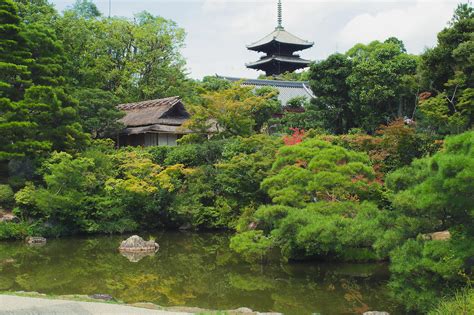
(279,59)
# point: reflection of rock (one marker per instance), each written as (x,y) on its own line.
(136,256)
(136,244)
(7,261)
(35,240)
(185,227)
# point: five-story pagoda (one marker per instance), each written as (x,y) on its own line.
(279,47)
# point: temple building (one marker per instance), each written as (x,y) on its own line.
(153,122)
(279,48)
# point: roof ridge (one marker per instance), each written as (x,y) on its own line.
(166,101)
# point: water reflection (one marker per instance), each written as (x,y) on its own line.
(192,270)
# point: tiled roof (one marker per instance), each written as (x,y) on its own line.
(287,89)
(282,59)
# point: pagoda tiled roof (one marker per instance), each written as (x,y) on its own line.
(280,35)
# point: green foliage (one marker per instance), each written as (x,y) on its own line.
(6,196)
(367,86)
(134,59)
(14,56)
(334,230)
(462,303)
(425,271)
(381,83)
(215,195)
(235,111)
(437,190)
(98,112)
(328,83)
(316,170)
(299,113)
(99,190)
(433,194)
(446,72)
(252,245)
(206,153)
(10,230)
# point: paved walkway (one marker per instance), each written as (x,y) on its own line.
(18,305)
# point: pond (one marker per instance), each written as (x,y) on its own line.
(192,269)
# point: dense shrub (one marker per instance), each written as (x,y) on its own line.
(99,190)
(433,194)
(6,196)
(438,190)
(10,230)
(215,195)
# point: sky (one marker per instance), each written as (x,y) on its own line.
(219,30)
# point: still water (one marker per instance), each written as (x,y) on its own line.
(192,270)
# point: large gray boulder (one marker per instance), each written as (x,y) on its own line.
(135,244)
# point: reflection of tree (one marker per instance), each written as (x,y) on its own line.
(192,270)
(250,282)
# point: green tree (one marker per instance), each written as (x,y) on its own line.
(55,118)
(231,112)
(433,194)
(98,113)
(446,73)
(382,83)
(328,83)
(86,9)
(134,59)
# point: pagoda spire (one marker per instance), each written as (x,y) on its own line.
(279,47)
(280,19)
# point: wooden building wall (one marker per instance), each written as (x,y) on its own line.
(149,139)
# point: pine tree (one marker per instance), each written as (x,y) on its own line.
(14,56)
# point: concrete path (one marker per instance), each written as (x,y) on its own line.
(19,305)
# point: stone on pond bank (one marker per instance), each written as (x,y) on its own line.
(135,244)
(36,240)
(100,296)
(9,217)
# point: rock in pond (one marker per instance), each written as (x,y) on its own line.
(136,244)
(35,240)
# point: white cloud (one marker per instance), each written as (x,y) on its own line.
(416,24)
